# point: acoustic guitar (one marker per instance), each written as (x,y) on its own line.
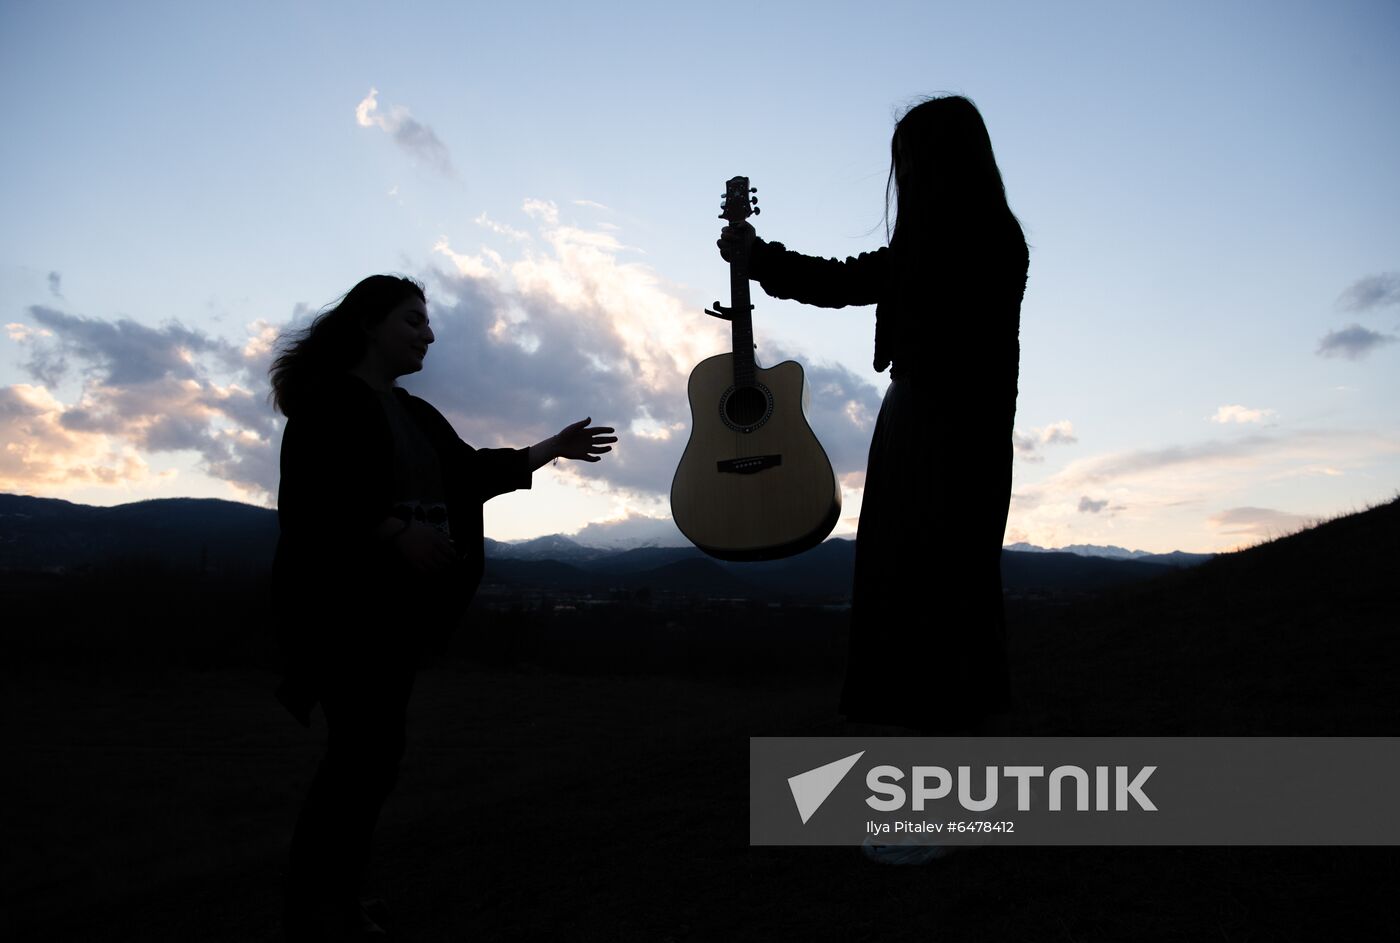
(754,482)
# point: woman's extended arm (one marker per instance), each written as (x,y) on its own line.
(827,283)
(486,473)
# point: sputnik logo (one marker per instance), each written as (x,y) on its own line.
(810,789)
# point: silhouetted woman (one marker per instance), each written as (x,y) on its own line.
(927,645)
(380,552)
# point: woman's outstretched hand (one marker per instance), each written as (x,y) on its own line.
(581,442)
(735,240)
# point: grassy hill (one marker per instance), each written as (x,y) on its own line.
(606,800)
(1298,636)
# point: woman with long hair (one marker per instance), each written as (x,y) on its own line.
(381,550)
(927,644)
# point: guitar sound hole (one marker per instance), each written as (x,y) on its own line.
(746,407)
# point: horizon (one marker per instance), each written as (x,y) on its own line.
(1208,332)
(641,542)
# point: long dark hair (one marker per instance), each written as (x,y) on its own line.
(335,341)
(944,176)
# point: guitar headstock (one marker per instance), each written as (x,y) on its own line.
(738,204)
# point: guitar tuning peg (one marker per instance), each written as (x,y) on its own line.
(756,211)
(753,189)
(753,200)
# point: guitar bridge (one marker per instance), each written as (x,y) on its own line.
(749,465)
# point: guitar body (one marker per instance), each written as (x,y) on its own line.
(754,482)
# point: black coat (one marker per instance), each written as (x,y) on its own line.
(927,642)
(342,594)
(952,316)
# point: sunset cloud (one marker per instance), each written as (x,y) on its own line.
(41,454)
(414,137)
(145,391)
(571,327)
(1257,523)
(566,330)
(568,324)
(544,210)
(1241,414)
(1212,457)
(501,228)
(1027,444)
(1090,506)
(482,265)
(632,530)
(23,332)
(1148,487)
(125,352)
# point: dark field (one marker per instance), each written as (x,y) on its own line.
(545,797)
(535,805)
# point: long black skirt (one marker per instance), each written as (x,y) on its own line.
(928,629)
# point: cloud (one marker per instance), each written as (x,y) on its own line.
(525,347)
(1154,491)
(544,210)
(632,530)
(1024,446)
(1241,414)
(1106,469)
(1027,444)
(1088,506)
(1374,291)
(41,454)
(56,284)
(483,265)
(1060,433)
(145,391)
(501,228)
(1353,342)
(568,326)
(20,333)
(124,352)
(591,204)
(841,411)
(413,136)
(1259,523)
(571,327)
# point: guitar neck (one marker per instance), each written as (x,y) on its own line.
(739,206)
(741,322)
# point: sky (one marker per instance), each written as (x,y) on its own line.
(1208,336)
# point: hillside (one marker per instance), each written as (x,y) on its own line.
(1298,636)
(182,537)
(153,800)
(192,534)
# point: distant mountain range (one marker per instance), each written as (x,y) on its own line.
(225,537)
(561,547)
(48,534)
(1175,558)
